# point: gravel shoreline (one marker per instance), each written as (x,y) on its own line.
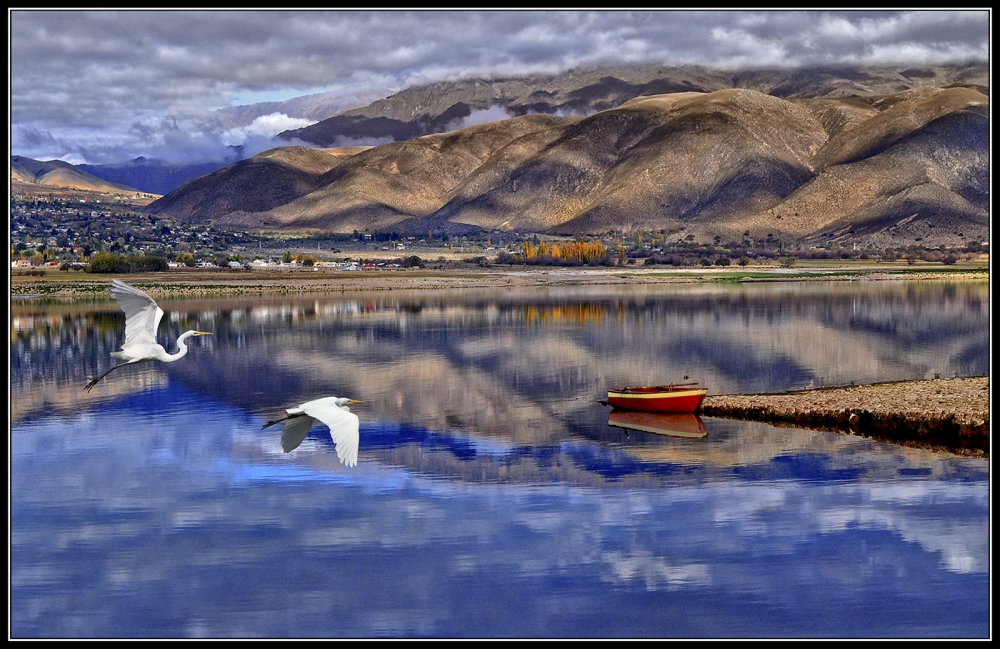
(949,414)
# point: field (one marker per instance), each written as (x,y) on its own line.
(210,281)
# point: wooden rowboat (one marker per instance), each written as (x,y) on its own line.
(673,424)
(676,397)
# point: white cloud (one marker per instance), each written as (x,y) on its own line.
(266,126)
(77,77)
(480,116)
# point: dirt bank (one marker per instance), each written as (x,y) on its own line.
(951,414)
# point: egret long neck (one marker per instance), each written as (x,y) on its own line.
(181,347)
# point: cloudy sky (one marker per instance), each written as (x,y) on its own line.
(107,86)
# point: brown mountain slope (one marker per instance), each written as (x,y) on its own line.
(439,107)
(390,184)
(900,114)
(728,153)
(701,164)
(936,177)
(36,175)
(268,179)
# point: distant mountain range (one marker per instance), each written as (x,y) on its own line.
(886,156)
(154,176)
(445,106)
(888,169)
(33,176)
(315,107)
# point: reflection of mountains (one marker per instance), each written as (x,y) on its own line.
(529,365)
(734,450)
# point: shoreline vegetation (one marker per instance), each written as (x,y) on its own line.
(59,284)
(943,414)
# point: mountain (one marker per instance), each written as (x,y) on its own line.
(734,163)
(156,176)
(265,181)
(28,175)
(444,106)
(315,107)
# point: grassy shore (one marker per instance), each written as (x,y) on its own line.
(206,282)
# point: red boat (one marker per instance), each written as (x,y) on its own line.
(679,397)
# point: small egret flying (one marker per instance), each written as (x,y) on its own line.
(333,412)
(142,318)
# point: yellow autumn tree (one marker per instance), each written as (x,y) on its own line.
(580,251)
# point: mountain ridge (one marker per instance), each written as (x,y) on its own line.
(440,106)
(715,164)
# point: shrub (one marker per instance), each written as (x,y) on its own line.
(505,258)
(109,262)
(787,262)
(143,264)
(723,261)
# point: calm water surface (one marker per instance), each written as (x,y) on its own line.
(491,495)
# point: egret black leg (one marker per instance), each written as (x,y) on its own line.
(278,420)
(93,382)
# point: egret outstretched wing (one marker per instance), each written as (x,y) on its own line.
(142,316)
(334,412)
(296,429)
(344,426)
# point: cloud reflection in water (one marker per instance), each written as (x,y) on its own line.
(203,510)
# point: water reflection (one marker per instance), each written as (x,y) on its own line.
(493,495)
(194,522)
(511,362)
(658,423)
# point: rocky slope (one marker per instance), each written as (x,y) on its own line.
(733,163)
(444,106)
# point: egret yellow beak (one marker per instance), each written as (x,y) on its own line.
(354,401)
(203,333)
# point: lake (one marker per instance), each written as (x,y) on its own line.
(491,496)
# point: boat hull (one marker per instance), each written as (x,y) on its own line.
(652,400)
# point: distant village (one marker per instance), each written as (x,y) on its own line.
(72,234)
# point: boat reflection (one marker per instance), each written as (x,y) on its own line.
(658,423)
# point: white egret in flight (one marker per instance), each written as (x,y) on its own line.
(333,412)
(142,318)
